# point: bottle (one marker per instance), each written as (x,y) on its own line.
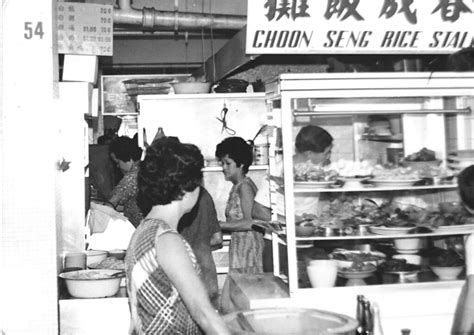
(376,318)
(369,324)
(463,322)
(360,315)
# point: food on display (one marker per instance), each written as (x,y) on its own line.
(398,265)
(359,267)
(353,169)
(424,155)
(399,173)
(447,258)
(111,263)
(90,275)
(308,171)
(356,256)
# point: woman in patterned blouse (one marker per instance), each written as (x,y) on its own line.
(126,153)
(165,292)
(246,244)
(245,251)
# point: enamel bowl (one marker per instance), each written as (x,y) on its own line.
(98,283)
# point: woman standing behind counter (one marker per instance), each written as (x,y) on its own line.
(165,293)
(126,153)
(246,246)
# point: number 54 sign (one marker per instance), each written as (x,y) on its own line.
(33,30)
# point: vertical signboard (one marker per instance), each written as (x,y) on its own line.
(359,26)
(85,29)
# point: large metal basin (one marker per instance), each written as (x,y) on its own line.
(290,321)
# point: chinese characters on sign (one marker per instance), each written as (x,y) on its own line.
(85,29)
(362,26)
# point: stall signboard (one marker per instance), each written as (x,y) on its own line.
(359,26)
(85,29)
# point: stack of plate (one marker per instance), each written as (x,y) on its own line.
(460,159)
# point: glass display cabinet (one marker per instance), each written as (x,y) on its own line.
(382,123)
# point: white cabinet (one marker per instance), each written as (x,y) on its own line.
(205,120)
(431,110)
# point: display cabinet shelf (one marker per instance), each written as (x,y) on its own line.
(374,189)
(370,236)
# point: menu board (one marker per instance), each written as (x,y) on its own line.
(85,29)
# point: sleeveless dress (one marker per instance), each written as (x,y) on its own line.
(155,305)
(246,247)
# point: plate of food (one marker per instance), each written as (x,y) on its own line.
(357,271)
(391,230)
(383,182)
(455,228)
(352,258)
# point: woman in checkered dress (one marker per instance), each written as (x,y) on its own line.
(165,292)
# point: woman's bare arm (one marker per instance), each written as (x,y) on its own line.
(174,259)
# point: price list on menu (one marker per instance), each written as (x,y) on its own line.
(85,29)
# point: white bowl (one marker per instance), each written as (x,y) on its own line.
(95,256)
(92,283)
(447,272)
(407,245)
(191,87)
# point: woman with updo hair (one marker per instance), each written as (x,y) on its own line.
(165,293)
(126,153)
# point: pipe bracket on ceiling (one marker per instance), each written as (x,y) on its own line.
(148,21)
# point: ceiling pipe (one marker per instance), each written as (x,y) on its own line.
(170,34)
(151,19)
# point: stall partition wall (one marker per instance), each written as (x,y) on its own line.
(194,119)
(28,281)
(75,100)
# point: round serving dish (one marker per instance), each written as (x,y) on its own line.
(385,230)
(447,272)
(99,283)
(355,278)
(346,258)
(400,277)
(289,321)
(379,182)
